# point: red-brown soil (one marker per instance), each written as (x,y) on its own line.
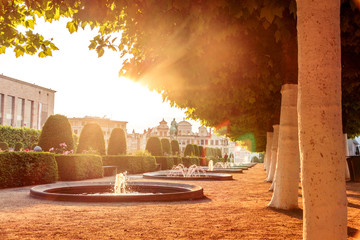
(231,210)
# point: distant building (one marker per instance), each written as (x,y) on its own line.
(23,104)
(186,136)
(106,125)
(136,142)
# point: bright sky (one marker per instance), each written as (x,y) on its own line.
(88,85)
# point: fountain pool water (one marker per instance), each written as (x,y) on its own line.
(120,191)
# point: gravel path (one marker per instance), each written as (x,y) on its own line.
(231,210)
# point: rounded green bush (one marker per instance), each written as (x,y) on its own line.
(4,146)
(117,142)
(189,150)
(175,147)
(56,130)
(91,139)
(165,143)
(154,146)
(19,146)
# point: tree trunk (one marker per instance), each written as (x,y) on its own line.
(286,180)
(269,136)
(274,148)
(320,126)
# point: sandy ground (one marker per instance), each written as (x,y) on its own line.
(231,210)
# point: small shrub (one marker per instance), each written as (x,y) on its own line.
(4,146)
(79,166)
(19,146)
(91,139)
(175,147)
(165,143)
(117,142)
(154,147)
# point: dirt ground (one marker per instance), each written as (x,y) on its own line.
(231,210)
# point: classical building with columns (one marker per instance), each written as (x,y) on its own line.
(23,104)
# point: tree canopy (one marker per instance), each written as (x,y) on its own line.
(224,61)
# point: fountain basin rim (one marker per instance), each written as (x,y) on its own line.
(181,192)
(208,176)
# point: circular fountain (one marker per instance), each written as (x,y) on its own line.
(180,172)
(104,192)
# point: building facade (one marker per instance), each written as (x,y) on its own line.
(106,125)
(23,104)
(203,137)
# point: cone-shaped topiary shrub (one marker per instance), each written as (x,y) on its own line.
(165,143)
(117,142)
(91,139)
(175,147)
(4,146)
(56,130)
(196,150)
(19,146)
(189,150)
(154,146)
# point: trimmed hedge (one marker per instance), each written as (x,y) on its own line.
(131,164)
(56,130)
(117,142)
(4,146)
(153,146)
(188,161)
(166,162)
(12,135)
(19,146)
(91,138)
(79,166)
(27,168)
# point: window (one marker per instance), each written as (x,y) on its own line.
(202,142)
(76,131)
(216,142)
(1,107)
(20,112)
(211,142)
(206,142)
(10,110)
(29,111)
